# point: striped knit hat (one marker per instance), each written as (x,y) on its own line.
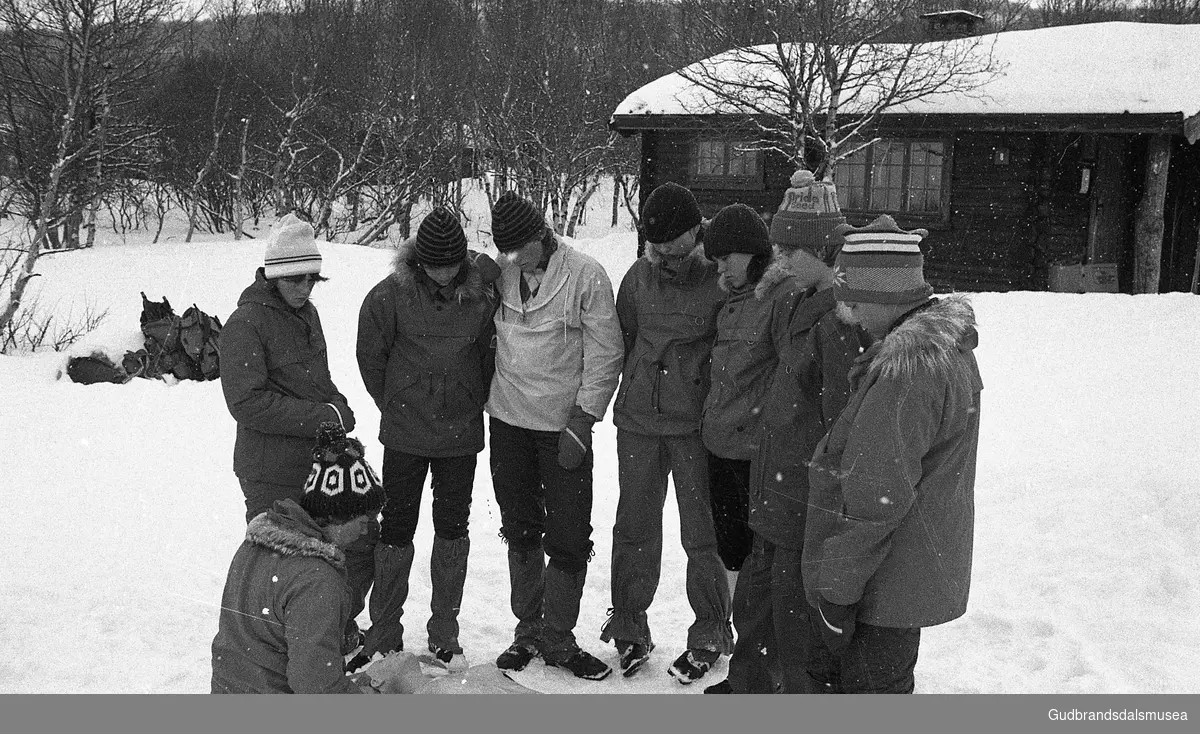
(440,239)
(880,263)
(291,249)
(342,484)
(515,221)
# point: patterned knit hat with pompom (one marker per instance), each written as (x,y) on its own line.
(807,217)
(342,484)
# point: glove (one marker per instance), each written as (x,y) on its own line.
(837,625)
(575,440)
(343,416)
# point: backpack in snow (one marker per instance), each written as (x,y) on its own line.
(95,368)
(184,346)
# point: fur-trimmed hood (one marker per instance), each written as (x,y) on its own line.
(928,340)
(777,271)
(288,530)
(473,287)
(695,257)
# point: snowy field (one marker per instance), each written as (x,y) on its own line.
(122,510)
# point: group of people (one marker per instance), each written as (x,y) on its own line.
(815,406)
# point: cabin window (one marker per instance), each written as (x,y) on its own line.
(895,176)
(722,164)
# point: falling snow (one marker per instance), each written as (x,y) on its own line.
(1087,504)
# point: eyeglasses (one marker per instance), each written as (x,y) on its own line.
(303,279)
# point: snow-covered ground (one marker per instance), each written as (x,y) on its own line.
(122,511)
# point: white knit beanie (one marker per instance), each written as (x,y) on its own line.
(291,249)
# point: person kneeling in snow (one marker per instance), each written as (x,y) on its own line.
(286,604)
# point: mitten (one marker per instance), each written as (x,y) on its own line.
(837,625)
(575,440)
(345,416)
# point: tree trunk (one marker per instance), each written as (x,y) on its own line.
(1148,237)
(239,190)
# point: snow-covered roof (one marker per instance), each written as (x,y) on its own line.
(1098,68)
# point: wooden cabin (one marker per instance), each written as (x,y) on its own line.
(1074,169)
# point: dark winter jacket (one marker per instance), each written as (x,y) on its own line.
(275,375)
(892,487)
(752,328)
(808,390)
(669,320)
(284,610)
(425,354)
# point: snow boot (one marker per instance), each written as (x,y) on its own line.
(527,579)
(581,663)
(392,567)
(632,656)
(447,574)
(516,657)
(722,687)
(692,665)
(455,662)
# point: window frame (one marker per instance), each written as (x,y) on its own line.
(941,216)
(752,181)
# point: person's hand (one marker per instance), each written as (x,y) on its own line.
(342,415)
(575,440)
(837,625)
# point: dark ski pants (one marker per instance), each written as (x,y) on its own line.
(770,615)
(643,465)
(403,481)
(729,487)
(544,507)
(878,659)
(360,555)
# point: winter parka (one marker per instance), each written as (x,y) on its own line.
(668,321)
(425,354)
(275,376)
(808,390)
(559,349)
(892,487)
(284,610)
(752,329)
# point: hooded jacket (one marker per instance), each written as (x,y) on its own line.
(892,487)
(425,355)
(752,328)
(284,610)
(275,376)
(559,349)
(668,321)
(808,391)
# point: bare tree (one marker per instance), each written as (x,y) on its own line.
(59,63)
(816,88)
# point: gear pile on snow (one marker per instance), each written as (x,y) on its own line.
(184,347)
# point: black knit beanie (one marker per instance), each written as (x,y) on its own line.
(341,485)
(515,221)
(736,228)
(670,211)
(440,239)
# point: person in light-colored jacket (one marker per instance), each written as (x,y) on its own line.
(558,357)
